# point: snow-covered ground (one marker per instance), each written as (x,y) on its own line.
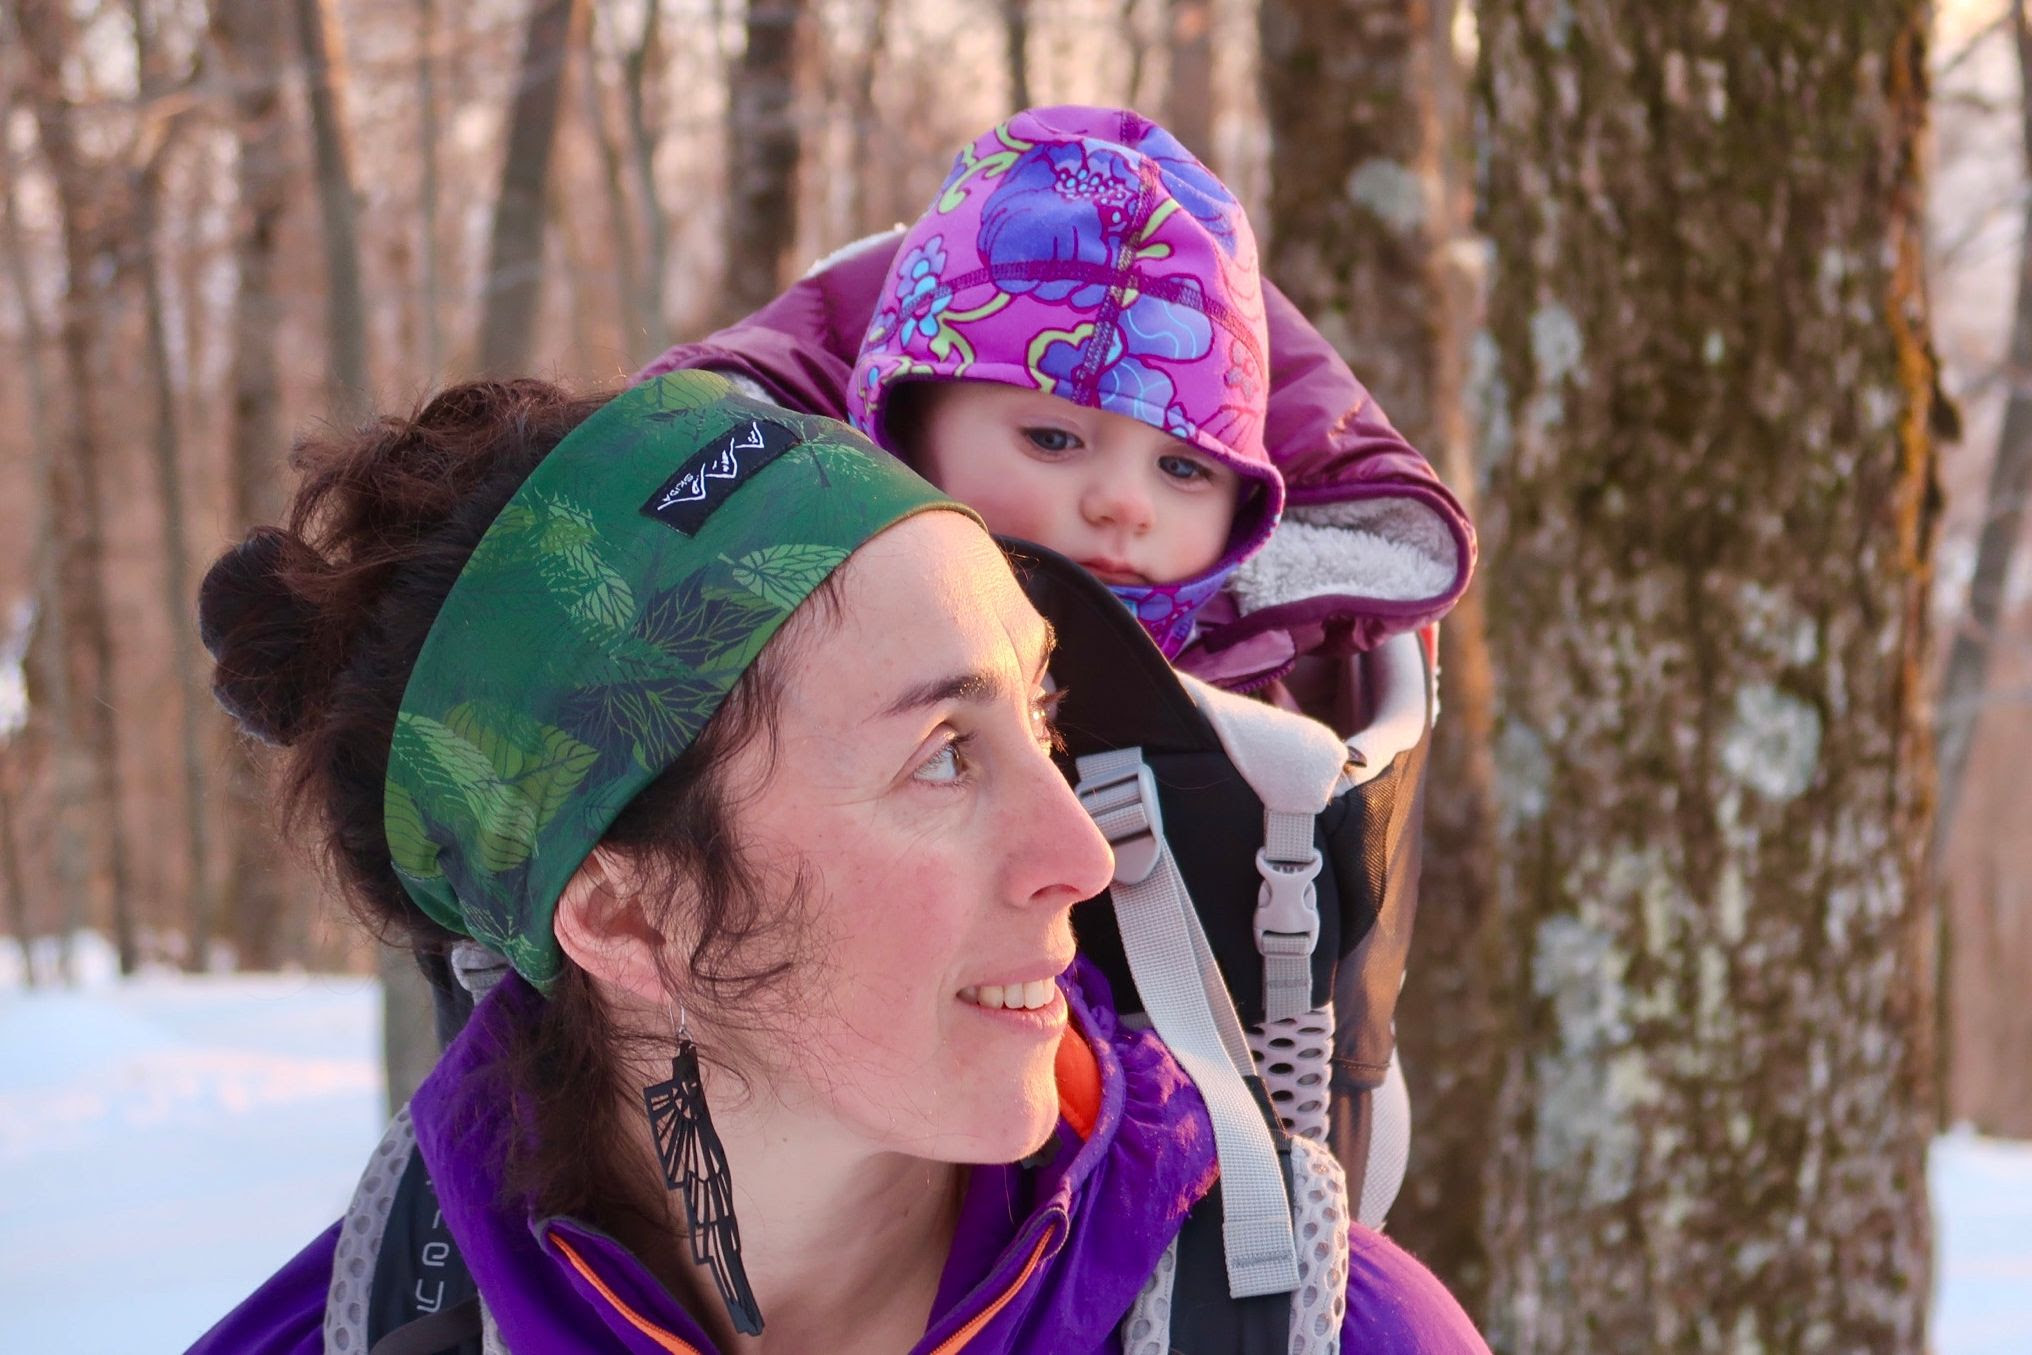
(168,1142)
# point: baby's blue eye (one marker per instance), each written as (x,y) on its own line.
(1051,439)
(1183,468)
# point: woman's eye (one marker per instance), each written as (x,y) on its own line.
(1051,439)
(945,766)
(1183,468)
(1044,721)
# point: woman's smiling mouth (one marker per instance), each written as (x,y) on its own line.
(1031,996)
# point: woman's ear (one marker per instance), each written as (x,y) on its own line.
(601,924)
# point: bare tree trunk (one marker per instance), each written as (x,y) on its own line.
(1361,228)
(763,147)
(1711,640)
(49,715)
(15,881)
(863,139)
(324,63)
(646,62)
(1189,87)
(1016,38)
(1138,43)
(427,183)
(255,898)
(178,598)
(514,278)
(630,296)
(409,1044)
(1968,660)
(76,504)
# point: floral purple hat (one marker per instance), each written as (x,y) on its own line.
(1086,253)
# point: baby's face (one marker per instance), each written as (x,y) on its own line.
(1130,503)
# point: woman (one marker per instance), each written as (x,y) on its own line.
(732,734)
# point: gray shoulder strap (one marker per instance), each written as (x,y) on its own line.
(1319,1304)
(360,1234)
(1294,764)
(1188,1003)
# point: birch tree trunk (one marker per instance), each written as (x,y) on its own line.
(88,754)
(255,895)
(763,147)
(514,282)
(1363,227)
(1714,513)
(324,63)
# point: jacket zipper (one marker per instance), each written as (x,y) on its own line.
(950,1346)
(959,1339)
(642,1324)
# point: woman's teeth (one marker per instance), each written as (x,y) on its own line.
(1014,996)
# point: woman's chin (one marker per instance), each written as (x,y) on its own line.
(1008,1128)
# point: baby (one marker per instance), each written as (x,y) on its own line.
(1072,343)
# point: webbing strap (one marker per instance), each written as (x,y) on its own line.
(1294,765)
(1188,1003)
(1287,913)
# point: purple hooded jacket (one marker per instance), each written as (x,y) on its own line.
(1043,1260)
(1371,543)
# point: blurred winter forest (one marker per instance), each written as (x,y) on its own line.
(1718,314)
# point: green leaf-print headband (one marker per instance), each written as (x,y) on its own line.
(600,622)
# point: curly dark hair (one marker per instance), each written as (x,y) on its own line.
(314,627)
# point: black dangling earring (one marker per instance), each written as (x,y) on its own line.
(694,1162)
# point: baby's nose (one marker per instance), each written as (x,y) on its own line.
(1120,501)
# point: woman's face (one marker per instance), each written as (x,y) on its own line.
(941,853)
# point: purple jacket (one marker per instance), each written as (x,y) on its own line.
(1372,544)
(1044,1260)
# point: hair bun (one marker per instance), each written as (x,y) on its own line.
(262,633)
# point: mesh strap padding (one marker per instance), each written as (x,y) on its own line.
(360,1234)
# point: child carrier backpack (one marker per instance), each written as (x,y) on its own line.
(1265,879)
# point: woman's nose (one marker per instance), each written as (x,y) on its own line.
(1069,858)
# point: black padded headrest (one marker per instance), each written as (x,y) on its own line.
(1120,691)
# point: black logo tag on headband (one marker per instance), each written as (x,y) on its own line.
(712,475)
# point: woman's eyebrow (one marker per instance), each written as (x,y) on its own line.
(977,688)
(972,688)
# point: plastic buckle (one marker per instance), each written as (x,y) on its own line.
(1287,905)
(1140,844)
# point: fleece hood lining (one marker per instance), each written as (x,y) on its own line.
(1391,549)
